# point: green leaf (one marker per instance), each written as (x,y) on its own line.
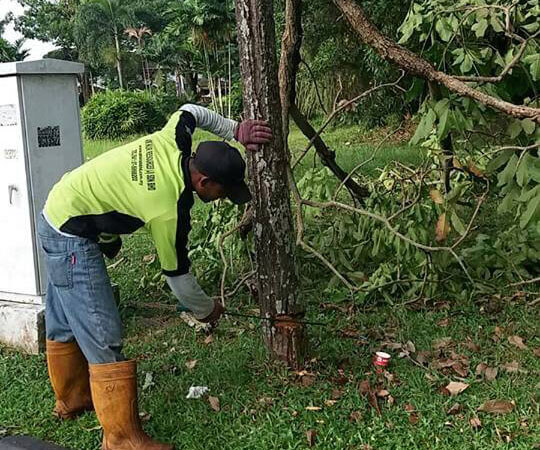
(530,212)
(522,174)
(443,28)
(534,62)
(514,129)
(498,161)
(507,203)
(534,168)
(496,25)
(527,196)
(425,127)
(531,27)
(528,126)
(457,223)
(509,171)
(442,127)
(467,64)
(480,28)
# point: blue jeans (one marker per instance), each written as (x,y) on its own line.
(80,302)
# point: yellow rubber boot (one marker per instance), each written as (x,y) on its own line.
(114,391)
(68,372)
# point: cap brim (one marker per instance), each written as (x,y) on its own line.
(238,193)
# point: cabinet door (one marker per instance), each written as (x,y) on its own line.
(53,137)
(17,255)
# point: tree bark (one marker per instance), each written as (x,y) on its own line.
(409,61)
(272,219)
(118,59)
(291,43)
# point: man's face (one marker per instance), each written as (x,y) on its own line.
(209,190)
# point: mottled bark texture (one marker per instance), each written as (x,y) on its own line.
(418,66)
(272,218)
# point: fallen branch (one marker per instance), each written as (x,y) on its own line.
(418,66)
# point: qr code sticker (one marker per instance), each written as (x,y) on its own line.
(48,136)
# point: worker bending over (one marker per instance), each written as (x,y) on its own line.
(149,184)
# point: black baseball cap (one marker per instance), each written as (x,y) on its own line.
(223,163)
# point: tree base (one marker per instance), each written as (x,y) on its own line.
(287,341)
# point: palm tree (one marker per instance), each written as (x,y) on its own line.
(99,22)
(138,34)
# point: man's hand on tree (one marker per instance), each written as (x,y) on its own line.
(252,133)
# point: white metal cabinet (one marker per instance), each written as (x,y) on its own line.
(40,140)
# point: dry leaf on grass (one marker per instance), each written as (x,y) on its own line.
(330,402)
(443,322)
(441,343)
(497,334)
(471,345)
(191,364)
(511,366)
(497,406)
(356,416)
(517,341)
(364,387)
(413,418)
(209,339)
(214,403)
(383,393)
(460,369)
(313,408)
(456,387)
(336,394)
(536,352)
(454,409)
(490,373)
(149,259)
(475,423)
(408,407)
(311,435)
(480,369)
(307,380)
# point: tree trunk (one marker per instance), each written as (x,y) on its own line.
(84,80)
(118,60)
(277,281)
(193,82)
(229,91)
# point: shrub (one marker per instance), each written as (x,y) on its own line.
(116,114)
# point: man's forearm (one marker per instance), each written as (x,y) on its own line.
(190,294)
(211,121)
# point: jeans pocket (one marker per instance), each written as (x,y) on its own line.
(60,267)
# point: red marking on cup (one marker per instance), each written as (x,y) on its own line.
(381,361)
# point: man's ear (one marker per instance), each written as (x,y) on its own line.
(204,180)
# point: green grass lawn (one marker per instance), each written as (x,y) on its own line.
(264,406)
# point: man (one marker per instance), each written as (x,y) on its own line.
(148,183)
